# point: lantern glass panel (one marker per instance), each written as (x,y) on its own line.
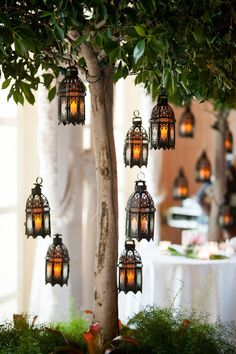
(203,169)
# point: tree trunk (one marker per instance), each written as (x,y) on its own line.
(105,294)
(219,182)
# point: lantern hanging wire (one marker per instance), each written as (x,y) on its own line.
(130,269)
(71,98)
(57,263)
(225,218)
(140,213)
(136,144)
(180,187)
(37,213)
(187,123)
(203,168)
(228,141)
(162,124)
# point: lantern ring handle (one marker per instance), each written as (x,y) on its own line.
(141,176)
(136,113)
(39,180)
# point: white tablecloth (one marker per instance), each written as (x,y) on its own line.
(204,285)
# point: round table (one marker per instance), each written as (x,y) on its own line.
(207,286)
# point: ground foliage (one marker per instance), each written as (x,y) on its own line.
(190,47)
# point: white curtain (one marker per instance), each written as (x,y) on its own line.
(68,174)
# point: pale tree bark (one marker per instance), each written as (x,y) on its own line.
(219,182)
(105,293)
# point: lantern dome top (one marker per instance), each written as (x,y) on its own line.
(162,111)
(130,255)
(140,199)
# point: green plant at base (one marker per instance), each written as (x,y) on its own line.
(166,331)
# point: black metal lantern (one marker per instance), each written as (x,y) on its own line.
(136,144)
(71,102)
(57,263)
(162,124)
(186,123)
(140,211)
(130,269)
(180,186)
(228,142)
(225,218)
(203,169)
(37,213)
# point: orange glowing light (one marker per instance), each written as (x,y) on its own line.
(144,223)
(186,128)
(182,190)
(130,276)
(37,217)
(122,277)
(228,145)
(73,107)
(136,152)
(227,219)
(164,132)
(204,173)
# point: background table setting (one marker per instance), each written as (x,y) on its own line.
(201,279)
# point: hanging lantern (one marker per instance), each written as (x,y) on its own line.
(186,123)
(203,169)
(37,213)
(130,269)
(228,142)
(140,211)
(57,263)
(162,124)
(136,144)
(225,216)
(180,187)
(71,102)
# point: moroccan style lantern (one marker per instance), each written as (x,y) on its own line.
(136,144)
(203,169)
(57,263)
(37,213)
(140,211)
(186,123)
(180,186)
(225,218)
(130,269)
(162,124)
(228,142)
(71,102)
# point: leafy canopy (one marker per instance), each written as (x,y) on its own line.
(188,47)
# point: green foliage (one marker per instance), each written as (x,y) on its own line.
(189,48)
(165,331)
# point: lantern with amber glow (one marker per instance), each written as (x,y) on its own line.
(140,211)
(130,269)
(71,102)
(162,125)
(228,142)
(57,263)
(180,187)
(225,216)
(186,123)
(203,169)
(37,213)
(136,144)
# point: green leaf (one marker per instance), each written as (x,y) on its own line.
(52,93)
(27,92)
(218,256)
(18,97)
(47,79)
(139,50)
(6,83)
(174,252)
(79,40)
(141,30)
(114,54)
(59,33)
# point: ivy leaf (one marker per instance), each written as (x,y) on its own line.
(6,83)
(139,50)
(52,93)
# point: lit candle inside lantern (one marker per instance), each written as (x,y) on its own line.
(144,223)
(182,191)
(73,107)
(228,145)
(136,152)
(37,216)
(130,276)
(122,277)
(186,128)
(57,269)
(164,132)
(204,173)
